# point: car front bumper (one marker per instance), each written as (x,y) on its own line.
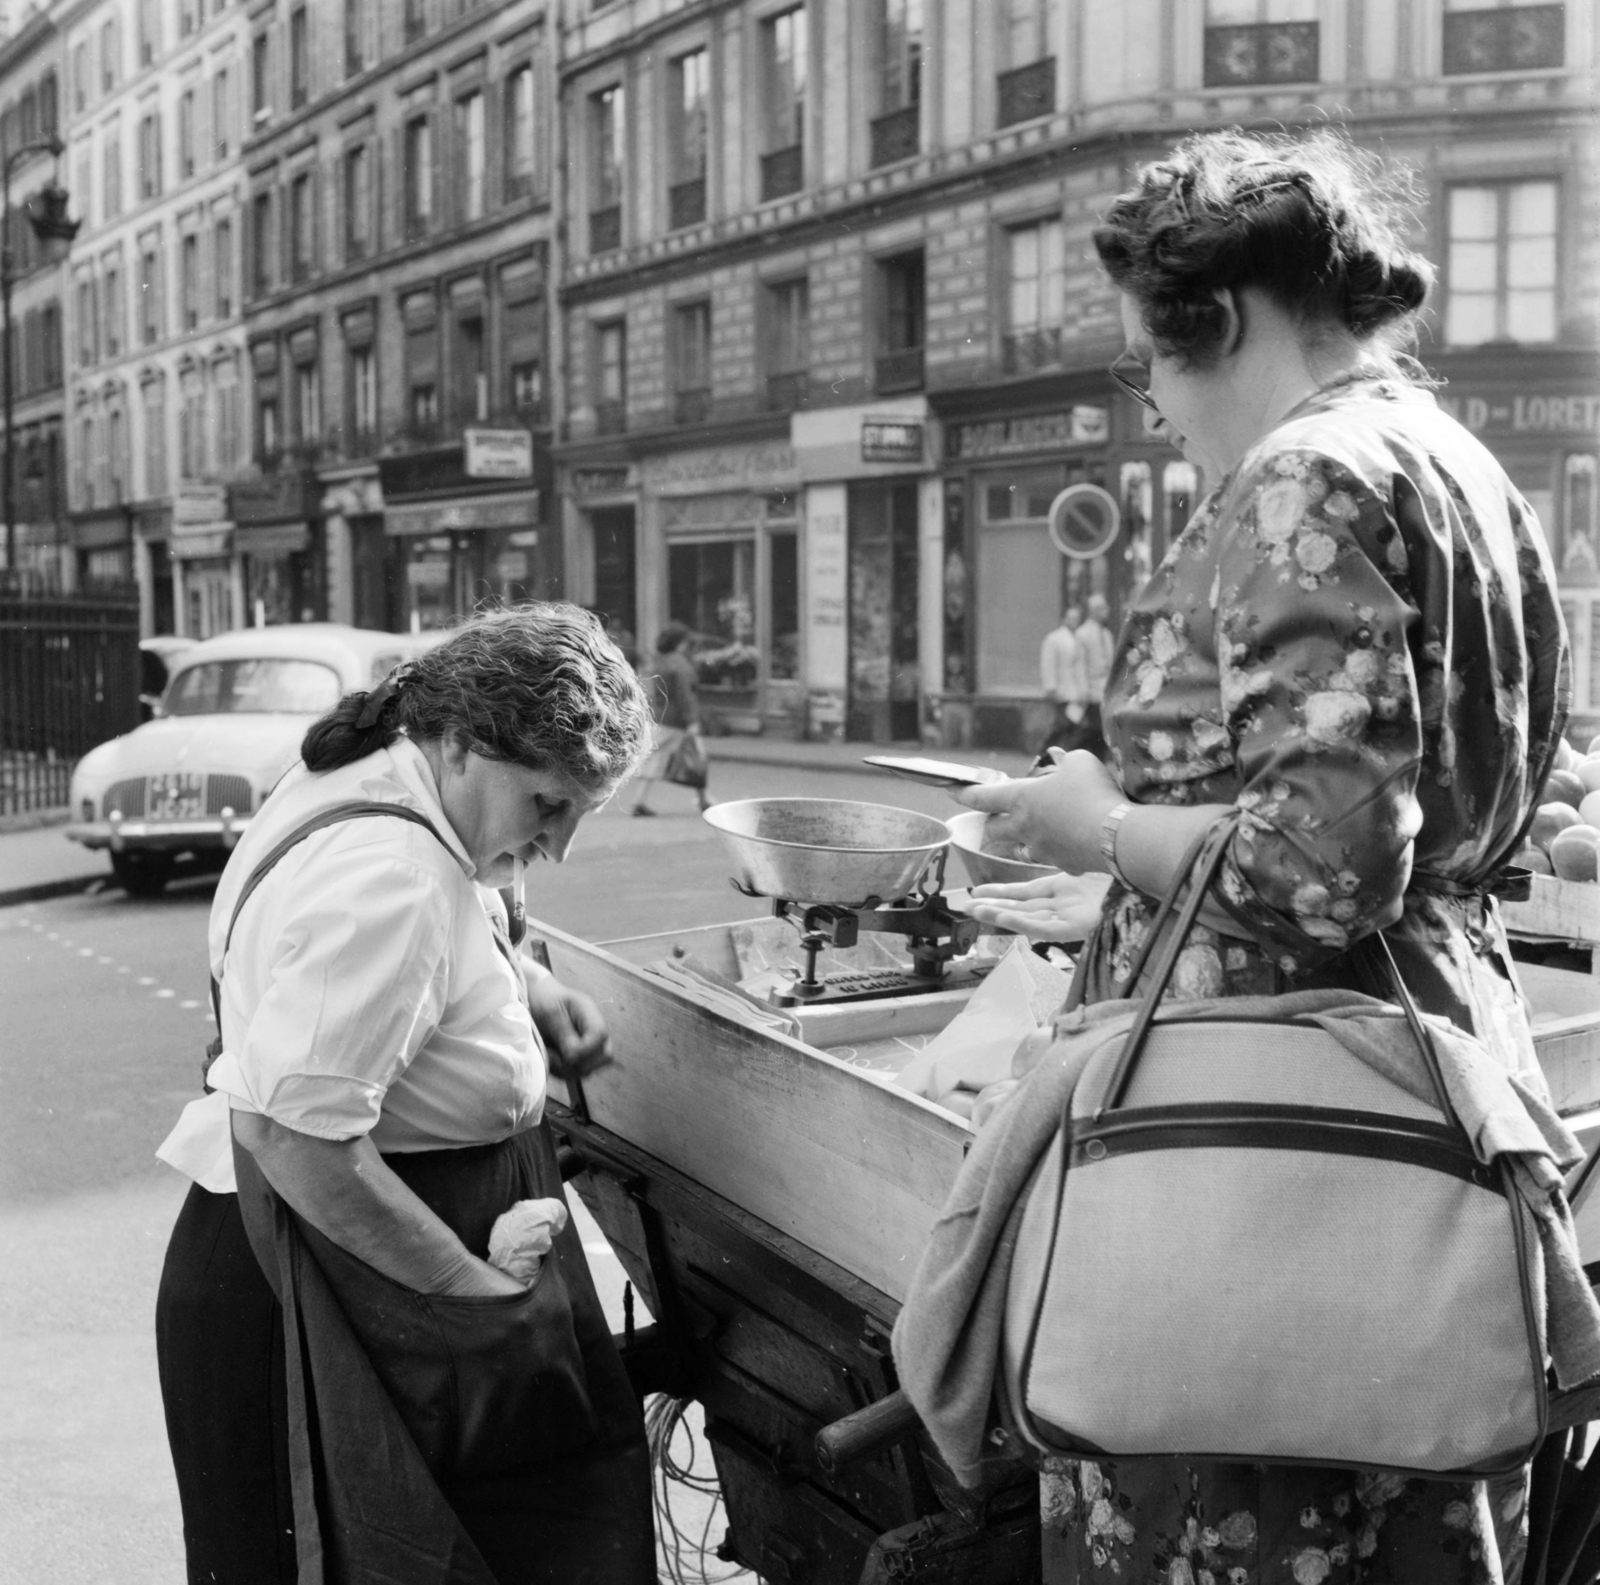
(159,836)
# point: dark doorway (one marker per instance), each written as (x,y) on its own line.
(377,566)
(883,705)
(162,613)
(616,562)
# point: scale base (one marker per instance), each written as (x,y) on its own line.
(871,985)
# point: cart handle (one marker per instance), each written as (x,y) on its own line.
(864,1432)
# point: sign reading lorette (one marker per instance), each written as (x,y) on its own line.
(498,453)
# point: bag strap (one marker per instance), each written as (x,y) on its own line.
(1195,877)
(318,822)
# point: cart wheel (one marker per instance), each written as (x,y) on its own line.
(142,874)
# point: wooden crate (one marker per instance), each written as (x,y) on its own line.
(1566,912)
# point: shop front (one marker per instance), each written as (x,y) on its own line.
(103,549)
(279,536)
(154,569)
(871,555)
(458,537)
(208,582)
(1003,581)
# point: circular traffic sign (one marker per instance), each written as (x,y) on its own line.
(1084,520)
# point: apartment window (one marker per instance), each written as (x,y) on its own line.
(307,404)
(416,20)
(88,328)
(1036,295)
(87,476)
(471,155)
(109,51)
(149,296)
(186,134)
(50,336)
(221,113)
(149,32)
(519,133)
(222,249)
(899,364)
(260,81)
(299,57)
(471,396)
(1260,41)
(1501,263)
(1024,24)
(189,280)
(357,55)
(522,338)
(1480,36)
(418,176)
(1027,87)
(361,379)
(229,397)
(788,344)
(610,376)
(188,17)
(49,108)
(150,155)
(191,427)
(783,78)
(899,39)
(692,362)
(115,312)
(302,227)
(358,202)
(117,456)
(419,313)
(689,81)
(155,441)
(111,187)
(80,76)
(261,245)
(607,131)
(268,437)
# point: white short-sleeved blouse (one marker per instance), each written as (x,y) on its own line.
(364,991)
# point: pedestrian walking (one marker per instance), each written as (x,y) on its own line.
(669,684)
(1062,677)
(376,1108)
(1310,661)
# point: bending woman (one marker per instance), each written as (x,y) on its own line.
(383,1073)
(1354,643)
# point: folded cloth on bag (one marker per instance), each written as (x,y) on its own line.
(948,1335)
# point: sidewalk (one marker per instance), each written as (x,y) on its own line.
(37,861)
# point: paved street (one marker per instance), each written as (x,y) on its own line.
(105,1022)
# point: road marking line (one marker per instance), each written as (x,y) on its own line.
(87,952)
(188,1006)
(165,992)
(147,979)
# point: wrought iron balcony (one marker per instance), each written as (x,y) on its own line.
(691,406)
(895,136)
(610,417)
(1505,39)
(686,203)
(1038,348)
(900,370)
(782,171)
(1026,92)
(1261,52)
(605,229)
(788,392)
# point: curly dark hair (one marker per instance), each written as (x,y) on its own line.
(539,685)
(1311,220)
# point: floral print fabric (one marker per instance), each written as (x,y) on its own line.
(1356,643)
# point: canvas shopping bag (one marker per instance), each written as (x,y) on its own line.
(686,765)
(1246,1242)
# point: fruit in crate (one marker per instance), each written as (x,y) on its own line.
(1564,786)
(1567,756)
(1588,772)
(1575,853)
(1549,822)
(1534,859)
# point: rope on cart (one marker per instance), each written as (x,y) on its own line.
(684,1558)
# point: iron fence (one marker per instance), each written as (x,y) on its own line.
(69,679)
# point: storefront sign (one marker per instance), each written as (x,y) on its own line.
(598,481)
(273,540)
(750,466)
(96,530)
(200,504)
(207,545)
(448,517)
(890,440)
(827,606)
(273,498)
(510,566)
(1013,437)
(498,453)
(1523,412)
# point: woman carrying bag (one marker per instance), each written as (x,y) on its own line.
(1353,650)
(677,754)
(381,1078)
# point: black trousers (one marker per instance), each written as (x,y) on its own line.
(581,1518)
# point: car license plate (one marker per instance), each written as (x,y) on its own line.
(179,796)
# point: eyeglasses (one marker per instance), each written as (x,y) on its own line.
(1133,375)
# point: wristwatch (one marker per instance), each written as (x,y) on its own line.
(1108,843)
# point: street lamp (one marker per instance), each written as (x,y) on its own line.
(47,214)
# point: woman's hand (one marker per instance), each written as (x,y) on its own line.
(1052,908)
(576,1040)
(1056,815)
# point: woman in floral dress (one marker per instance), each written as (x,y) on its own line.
(1355,646)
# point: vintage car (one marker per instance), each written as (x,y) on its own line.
(172,796)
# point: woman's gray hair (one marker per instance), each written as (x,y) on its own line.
(539,685)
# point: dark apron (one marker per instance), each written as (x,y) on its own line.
(454,1441)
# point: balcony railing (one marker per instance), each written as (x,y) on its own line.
(686,203)
(1261,52)
(895,135)
(691,406)
(605,229)
(1038,348)
(782,171)
(1026,92)
(788,392)
(1506,39)
(610,417)
(900,370)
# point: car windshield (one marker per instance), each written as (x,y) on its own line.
(248,687)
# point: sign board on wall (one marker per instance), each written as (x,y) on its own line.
(510,511)
(498,453)
(891,440)
(827,607)
(1014,437)
(1523,412)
